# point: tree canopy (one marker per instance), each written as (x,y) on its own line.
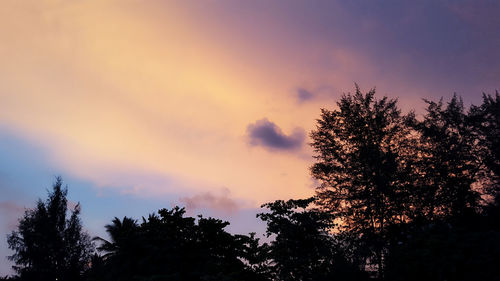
(360,151)
(170,246)
(303,248)
(384,175)
(49,244)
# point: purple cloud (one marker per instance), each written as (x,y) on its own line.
(267,134)
(304,95)
(208,200)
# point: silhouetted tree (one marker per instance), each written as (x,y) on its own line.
(360,148)
(121,233)
(170,246)
(449,160)
(47,244)
(303,248)
(486,122)
(451,240)
(256,256)
(385,177)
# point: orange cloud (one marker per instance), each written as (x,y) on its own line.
(108,90)
(116,90)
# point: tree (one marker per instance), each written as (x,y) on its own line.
(449,163)
(170,246)
(486,123)
(361,150)
(48,245)
(121,233)
(303,248)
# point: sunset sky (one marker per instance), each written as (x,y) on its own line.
(141,105)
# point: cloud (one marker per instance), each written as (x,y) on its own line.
(304,95)
(208,200)
(267,134)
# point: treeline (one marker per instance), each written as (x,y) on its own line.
(400,197)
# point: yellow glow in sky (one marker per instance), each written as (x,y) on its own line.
(113,88)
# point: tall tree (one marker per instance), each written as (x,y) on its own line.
(360,149)
(48,245)
(486,122)
(449,159)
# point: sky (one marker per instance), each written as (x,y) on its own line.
(142,105)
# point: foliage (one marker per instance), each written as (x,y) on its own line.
(303,248)
(485,120)
(48,245)
(381,171)
(360,164)
(459,162)
(448,165)
(170,246)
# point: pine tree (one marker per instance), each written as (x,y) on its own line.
(47,244)
(360,162)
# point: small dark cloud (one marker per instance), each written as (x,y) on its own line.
(320,92)
(304,95)
(267,134)
(208,200)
